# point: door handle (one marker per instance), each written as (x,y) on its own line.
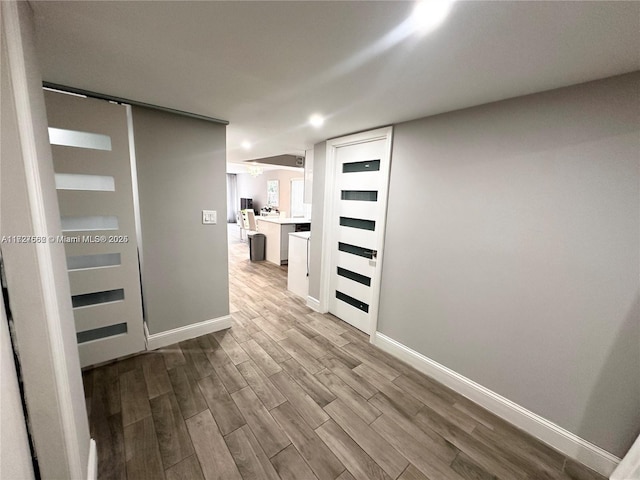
(374,254)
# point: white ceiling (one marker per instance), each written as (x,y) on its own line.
(266,66)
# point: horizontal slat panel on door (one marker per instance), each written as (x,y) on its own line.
(365,210)
(87,248)
(100,315)
(355,236)
(358,181)
(81,202)
(79,161)
(78,158)
(353,289)
(354,263)
(85,281)
(108,348)
(362,151)
(360,319)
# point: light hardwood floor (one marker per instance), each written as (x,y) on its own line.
(287,393)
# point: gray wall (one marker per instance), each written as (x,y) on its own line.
(181,171)
(256,187)
(317,209)
(512,254)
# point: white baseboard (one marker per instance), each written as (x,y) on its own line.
(553,435)
(313,304)
(162,339)
(92,464)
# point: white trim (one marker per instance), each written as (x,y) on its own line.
(314,304)
(92,464)
(134,185)
(629,467)
(328,233)
(553,435)
(162,339)
(53,318)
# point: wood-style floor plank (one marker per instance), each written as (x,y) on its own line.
(428,440)
(172,356)
(322,461)
(371,442)
(400,399)
(305,343)
(348,376)
(105,390)
(196,359)
(230,376)
(231,347)
(214,456)
(270,436)
(133,393)
(412,473)
(261,358)
(309,410)
(349,396)
(171,431)
(185,387)
(268,394)
(354,458)
(141,451)
(325,329)
(419,456)
(215,353)
(290,465)
(109,436)
(298,352)
(436,403)
(363,354)
(248,460)
(310,384)
(222,407)
(274,350)
(470,470)
(187,469)
(490,458)
(155,374)
(262,457)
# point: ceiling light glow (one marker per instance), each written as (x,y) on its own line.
(316,120)
(246,144)
(429,14)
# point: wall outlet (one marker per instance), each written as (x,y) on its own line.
(209,217)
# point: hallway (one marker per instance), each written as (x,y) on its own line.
(289,393)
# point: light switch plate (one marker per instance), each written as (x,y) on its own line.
(209,217)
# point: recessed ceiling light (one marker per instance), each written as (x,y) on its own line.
(429,14)
(246,144)
(316,120)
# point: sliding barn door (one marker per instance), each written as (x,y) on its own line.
(90,144)
(358,213)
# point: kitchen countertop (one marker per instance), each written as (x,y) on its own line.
(284,221)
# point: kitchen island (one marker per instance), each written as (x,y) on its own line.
(276,231)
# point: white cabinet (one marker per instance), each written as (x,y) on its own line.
(298,280)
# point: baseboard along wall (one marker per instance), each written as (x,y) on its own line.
(548,432)
(162,339)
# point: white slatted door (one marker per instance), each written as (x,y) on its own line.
(361,164)
(90,144)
